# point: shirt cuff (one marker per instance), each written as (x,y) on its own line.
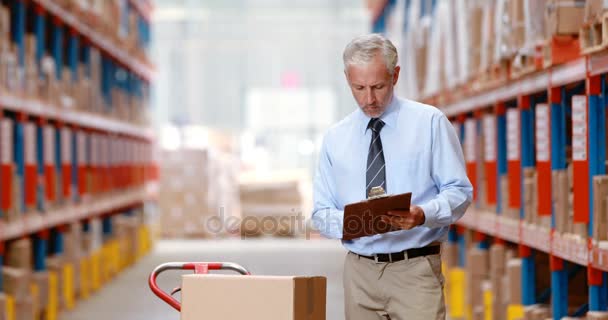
(431,210)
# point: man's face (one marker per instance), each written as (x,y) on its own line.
(372,85)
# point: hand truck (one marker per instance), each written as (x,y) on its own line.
(198,267)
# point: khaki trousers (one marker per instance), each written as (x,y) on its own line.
(410,289)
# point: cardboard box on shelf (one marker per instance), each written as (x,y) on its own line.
(16,282)
(561,205)
(26,308)
(73,242)
(32,79)
(530,197)
(449,254)
(5,22)
(19,254)
(56,264)
(475,36)
(477,272)
(580,229)
(594,9)
(293,297)
(517,34)
(513,288)
(30,45)
(497,270)
(41,279)
(600,208)
(478,261)
(564,17)
(12,76)
(2,306)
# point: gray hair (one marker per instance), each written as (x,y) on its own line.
(362,49)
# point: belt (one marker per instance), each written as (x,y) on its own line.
(405,254)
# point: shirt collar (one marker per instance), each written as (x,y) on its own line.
(389,117)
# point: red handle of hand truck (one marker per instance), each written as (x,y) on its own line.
(198,267)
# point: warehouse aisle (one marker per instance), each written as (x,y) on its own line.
(128,296)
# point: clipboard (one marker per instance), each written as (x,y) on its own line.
(363,218)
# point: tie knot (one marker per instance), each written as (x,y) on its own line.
(375,124)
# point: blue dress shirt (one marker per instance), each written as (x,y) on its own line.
(422,155)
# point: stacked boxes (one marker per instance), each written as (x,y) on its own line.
(183,192)
(273,205)
(197,185)
(530,197)
(564,17)
(477,273)
(561,203)
(600,208)
(513,282)
(497,38)
(44,158)
(497,272)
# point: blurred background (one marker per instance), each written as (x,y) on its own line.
(138,132)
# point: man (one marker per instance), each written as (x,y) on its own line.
(402,146)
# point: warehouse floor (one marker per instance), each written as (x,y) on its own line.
(128,296)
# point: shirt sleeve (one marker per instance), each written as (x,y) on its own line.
(448,171)
(326,216)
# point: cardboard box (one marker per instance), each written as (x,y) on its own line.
(497,271)
(564,17)
(497,257)
(55,264)
(477,272)
(594,9)
(41,279)
(600,209)
(291,297)
(560,196)
(449,254)
(513,288)
(530,196)
(2,306)
(19,254)
(477,261)
(26,308)
(504,194)
(16,282)
(517,34)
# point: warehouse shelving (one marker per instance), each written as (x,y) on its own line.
(547,134)
(98,40)
(559,75)
(82,167)
(36,222)
(83,119)
(587,73)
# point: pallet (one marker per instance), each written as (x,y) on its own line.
(594,36)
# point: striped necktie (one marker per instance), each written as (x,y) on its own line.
(376,172)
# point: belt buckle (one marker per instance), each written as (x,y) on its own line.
(390,258)
(376,258)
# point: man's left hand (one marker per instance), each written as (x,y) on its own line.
(404,219)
